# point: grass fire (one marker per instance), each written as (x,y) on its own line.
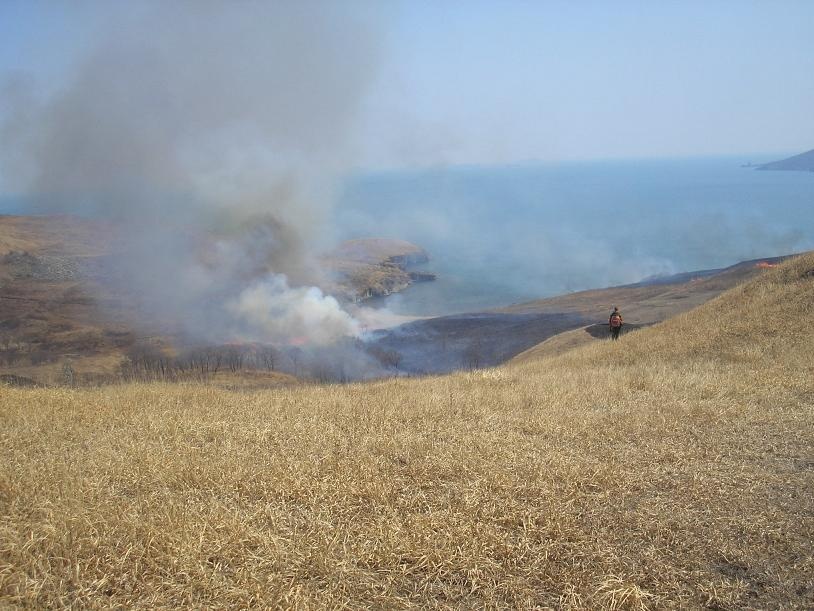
(652,472)
(406,305)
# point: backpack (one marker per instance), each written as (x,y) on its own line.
(615,320)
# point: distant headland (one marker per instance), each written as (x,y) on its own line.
(804,162)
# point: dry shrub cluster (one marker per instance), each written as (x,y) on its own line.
(673,468)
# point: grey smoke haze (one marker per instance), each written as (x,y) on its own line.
(189,120)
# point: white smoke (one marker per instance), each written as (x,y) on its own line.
(275,312)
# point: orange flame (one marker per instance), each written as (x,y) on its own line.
(765,265)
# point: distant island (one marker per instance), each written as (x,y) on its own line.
(804,162)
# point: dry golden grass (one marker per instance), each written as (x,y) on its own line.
(674,468)
(556,345)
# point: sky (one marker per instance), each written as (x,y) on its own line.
(506,82)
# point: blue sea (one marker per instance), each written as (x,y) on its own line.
(502,235)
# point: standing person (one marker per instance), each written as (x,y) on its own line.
(615,323)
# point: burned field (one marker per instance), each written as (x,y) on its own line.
(467,341)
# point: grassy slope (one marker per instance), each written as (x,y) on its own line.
(672,468)
(641,305)
(553,346)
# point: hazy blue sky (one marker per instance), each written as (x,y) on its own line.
(498,82)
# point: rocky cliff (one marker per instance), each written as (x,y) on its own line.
(374,267)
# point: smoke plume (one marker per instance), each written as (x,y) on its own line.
(213,132)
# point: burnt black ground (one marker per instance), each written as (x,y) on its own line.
(465,341)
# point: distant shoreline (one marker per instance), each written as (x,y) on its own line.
(804,162)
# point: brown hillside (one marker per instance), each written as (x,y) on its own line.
(642,304)
(50,303)
(62,319)
(671,469)
(646,303)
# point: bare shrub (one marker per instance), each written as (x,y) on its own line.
(147,362)
(234,357)
(267,357)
